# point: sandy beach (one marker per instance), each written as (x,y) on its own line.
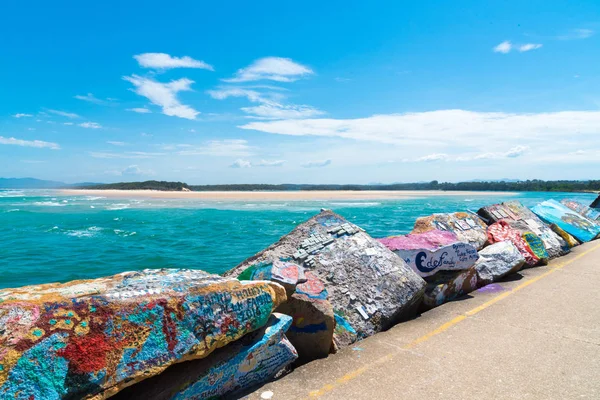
(275,196)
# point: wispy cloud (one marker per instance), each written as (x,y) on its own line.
(90,98)
(516,151)
(575,34)
(272,68)
(22,115)
(166,61)
(114,143)
(317,164)
(506,47)
(529,46)
(90,125)
(433,157)
(218,148)
(64,114)
(269,163)
(140,110)
(126,155)
(164,95)
(29,143)
(239,163)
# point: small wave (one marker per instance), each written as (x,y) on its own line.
(89,232)
(120,232)
(12,210)
(118,206)
(11,193)
(92,198)
(48,204)
(469,200)
(355,204)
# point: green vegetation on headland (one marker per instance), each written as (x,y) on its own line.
(516,186)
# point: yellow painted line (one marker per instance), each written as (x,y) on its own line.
(442,328)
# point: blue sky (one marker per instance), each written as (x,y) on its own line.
(310,92)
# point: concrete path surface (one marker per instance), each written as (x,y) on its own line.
(535,336)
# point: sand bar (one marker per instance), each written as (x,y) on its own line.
(280,195)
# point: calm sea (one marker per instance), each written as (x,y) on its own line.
(46,237)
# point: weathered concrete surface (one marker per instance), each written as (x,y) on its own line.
(468,227)
(496,261)
(575,224)
(368,286)
(517,339)
(524,220)
(501,231)
(433,251)
(252,360)
(92,338)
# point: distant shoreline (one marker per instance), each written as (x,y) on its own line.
(278,195)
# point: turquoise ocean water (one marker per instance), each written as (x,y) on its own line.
(46,237)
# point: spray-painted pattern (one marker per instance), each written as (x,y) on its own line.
(89,339)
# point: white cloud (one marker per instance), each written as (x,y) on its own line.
(90,98)
(503,47)
(433,157)
(575,34)
(90,125)
(22,115)
(223,93)
(140,110)
(269,163)
(443,127)
(282,111)
(239,163)
(29,143)
(516,151)
(64,114)
(144,134)
(218,148)
(164,95)
(317,164)
(165,61)
(529,46)
(272,68)
(116,143)
(67,123)
(126,155)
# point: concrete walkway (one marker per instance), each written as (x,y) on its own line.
(536,336)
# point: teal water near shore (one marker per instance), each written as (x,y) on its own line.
(48,237)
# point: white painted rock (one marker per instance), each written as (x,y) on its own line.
(496,261)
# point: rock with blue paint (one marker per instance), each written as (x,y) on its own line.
(366,284)
(567,219)
(433,251)
(497,261)
(588,212)
(468,227)
(90,339)
(250,361)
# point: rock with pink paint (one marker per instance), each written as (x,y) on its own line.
(468,227)
(433,251)
(90,339)
(368,287)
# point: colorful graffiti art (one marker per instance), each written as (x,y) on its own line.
(570,221)
(433,251)
(90,339)
(468,227)
(501,231)
(447,286)
(589,213)
(254,359)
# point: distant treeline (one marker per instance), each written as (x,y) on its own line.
(518,186)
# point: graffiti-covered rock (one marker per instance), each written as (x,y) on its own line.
(368,286)
(433,251)
(524,220)
(90,339)
(252,360)
(446,286)
(596,203)
(496,261)
(571,241)
(588,212)
(468,227)
(501,231)
(570,221)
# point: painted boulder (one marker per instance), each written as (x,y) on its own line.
(524,220)
(570,221)
(596,203)
(446,286)
(501,231)
(433,251)
(252,360)
(571,241)
(588,212)
(497,261)
(368,286)
(90,339)
(468,227)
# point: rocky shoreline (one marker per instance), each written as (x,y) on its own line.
(186,334)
